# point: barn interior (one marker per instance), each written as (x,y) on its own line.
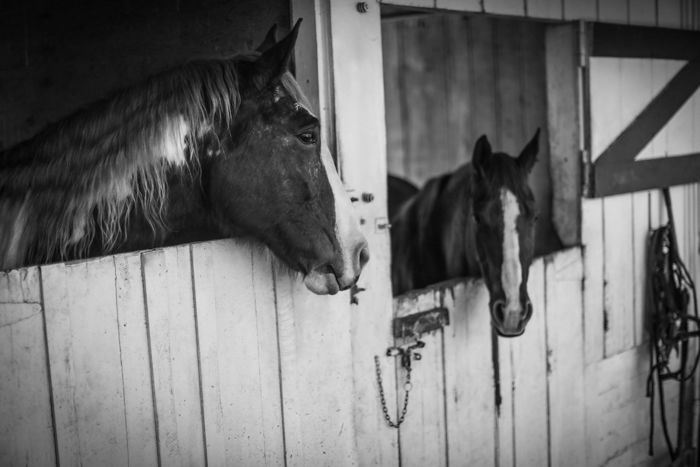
(450,78)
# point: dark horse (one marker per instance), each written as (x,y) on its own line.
(213,148)
(476,221)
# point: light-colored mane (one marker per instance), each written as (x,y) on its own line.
(83,175)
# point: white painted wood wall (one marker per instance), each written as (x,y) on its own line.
(212,354)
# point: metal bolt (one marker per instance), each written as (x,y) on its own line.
(362,7)
(367,197)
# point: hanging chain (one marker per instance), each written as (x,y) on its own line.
(407,354)
(406,387)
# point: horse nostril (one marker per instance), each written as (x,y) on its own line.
(498,310)
(528,311)
(363,255)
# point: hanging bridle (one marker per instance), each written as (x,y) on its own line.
(670,289)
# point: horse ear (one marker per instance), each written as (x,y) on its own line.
(482,152)
(269,41)
(274,62)
(528,156)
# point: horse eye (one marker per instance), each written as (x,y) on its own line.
(307,137)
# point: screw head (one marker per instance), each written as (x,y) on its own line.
(362,7)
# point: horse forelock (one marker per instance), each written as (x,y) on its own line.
(82,176)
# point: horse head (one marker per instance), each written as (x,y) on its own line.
(274,180)
(504,211)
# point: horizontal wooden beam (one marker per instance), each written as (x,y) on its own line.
(653,117)
(615,40)
(646,174)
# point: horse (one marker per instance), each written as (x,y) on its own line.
(476,221)
(212,148)
(398,191)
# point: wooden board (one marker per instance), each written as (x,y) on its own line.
(237,336)
(565,347)
(422,437)
(563,115)
(361,330)
(26,424)
(530,366)
(136,368)
(174,360)
(469,385)
(84,360)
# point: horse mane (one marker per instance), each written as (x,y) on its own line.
(83,175)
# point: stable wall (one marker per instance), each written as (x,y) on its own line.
(451,78)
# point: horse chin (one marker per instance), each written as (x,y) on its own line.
(321,284)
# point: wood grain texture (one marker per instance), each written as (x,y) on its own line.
(469,385)
(316,367)
(136,369)
(84,360)
(564,274)
(26,425)
(423,435)
(237,335)
(564,129)
(530,399)
(356,45)
(173,351)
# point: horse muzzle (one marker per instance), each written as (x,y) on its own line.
(340,274)
(510,322)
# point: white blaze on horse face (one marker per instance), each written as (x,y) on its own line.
(511,270)
(348,235)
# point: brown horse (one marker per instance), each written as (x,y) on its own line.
(476,221)
(213,148)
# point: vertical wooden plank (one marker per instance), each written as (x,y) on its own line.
(483,91)
(640,229)
(469,388)
(26,425)
(618,274)
(176,383)
(593,260)
(545,9)
(457,83)
(564,129)
(505,423)
(239,362)
(422,435)
(580,10)
(509,82)
(84,358)
(360,124)
(530,423)
(316,366)
(136,371)
(563,275)
(393,83)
